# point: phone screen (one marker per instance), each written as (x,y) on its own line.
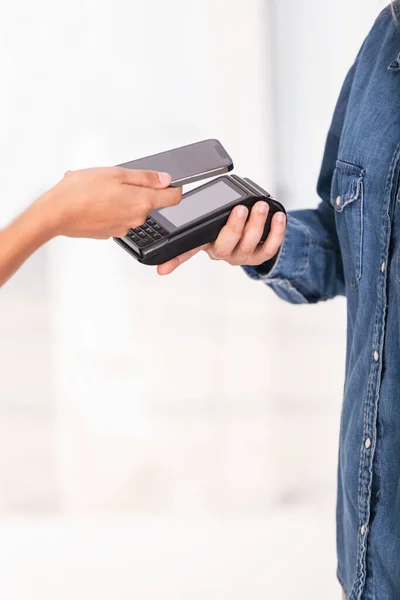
(199,203)
(187,161)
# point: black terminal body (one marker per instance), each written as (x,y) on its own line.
(197,220)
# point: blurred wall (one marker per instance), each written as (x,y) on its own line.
(314,46)
(177,434)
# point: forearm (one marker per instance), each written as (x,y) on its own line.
(20,239)
(94,203)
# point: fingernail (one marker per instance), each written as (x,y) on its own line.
(262,208)
(164,178)
(241,212)
(280,217)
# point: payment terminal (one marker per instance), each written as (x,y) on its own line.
(196,220)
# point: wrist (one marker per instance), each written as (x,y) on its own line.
(40,222)
(45,215)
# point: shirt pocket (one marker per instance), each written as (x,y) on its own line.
(347,198)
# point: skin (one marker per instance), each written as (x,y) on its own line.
(91,203)
(238,242)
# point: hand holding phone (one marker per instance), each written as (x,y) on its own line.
(104,202)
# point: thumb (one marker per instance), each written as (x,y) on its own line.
(170,266)
(149,179)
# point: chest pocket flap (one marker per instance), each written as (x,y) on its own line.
(347,198)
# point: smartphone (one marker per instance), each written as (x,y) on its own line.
(187,164)
(196,220)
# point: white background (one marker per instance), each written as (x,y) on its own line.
(171,436)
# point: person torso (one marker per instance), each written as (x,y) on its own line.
(366,202)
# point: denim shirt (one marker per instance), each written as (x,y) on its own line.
(350,245)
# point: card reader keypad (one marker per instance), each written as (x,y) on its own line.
(148,233)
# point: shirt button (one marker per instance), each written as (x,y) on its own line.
(376,356)
(368,443)
(338,200)
(363,529)
(383,267)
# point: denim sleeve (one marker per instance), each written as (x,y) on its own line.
(309,265)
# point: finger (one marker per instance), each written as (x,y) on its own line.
(151,179)
(230,234)
(171,265)
(164,198)
(142,201)
(252,232)
(274,240)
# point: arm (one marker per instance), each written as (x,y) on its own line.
(21,239)
(308,267)
(302,264)
(93,203)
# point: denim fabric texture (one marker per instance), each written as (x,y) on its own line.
(350,245)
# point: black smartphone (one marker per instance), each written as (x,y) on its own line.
(196,220)
(187,164)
